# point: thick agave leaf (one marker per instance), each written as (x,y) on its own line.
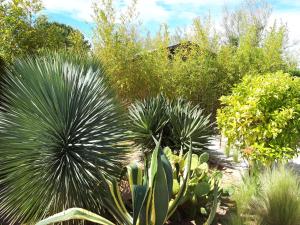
(139,194)
(160,195)
(59,135)
(169,173)
(138,190)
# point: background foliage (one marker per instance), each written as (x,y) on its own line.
(199,64)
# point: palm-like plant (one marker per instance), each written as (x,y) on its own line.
(60,133)
(177,121)
(148,118)
(188,122)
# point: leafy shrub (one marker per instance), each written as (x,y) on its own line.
(261,117)
(59,135)
(177,121)
(276,200)
(295,72)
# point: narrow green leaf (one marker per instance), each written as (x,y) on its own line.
(153,165)
(116,195)
(138,196)
(160,194)
(213,210)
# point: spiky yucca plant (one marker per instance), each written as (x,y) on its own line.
(60,133)
(148,118)
(189,122)
(176,120)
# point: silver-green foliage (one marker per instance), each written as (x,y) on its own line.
(59,134)
(176,120)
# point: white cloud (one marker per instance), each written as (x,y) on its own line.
(79,9)
(201,2)
(150,10)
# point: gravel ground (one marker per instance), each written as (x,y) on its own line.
(217,150)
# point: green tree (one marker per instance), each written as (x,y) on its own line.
(21,29)
(17,18)
(58,36)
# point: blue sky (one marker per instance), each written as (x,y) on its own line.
(176,13)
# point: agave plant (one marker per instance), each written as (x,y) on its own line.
(60,133)
(188,122)
(151,191)
(148,118)
(178,121)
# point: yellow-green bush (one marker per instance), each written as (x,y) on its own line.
(262,117)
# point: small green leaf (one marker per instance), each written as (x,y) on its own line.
(195,162)
(203,158)
(202,189)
